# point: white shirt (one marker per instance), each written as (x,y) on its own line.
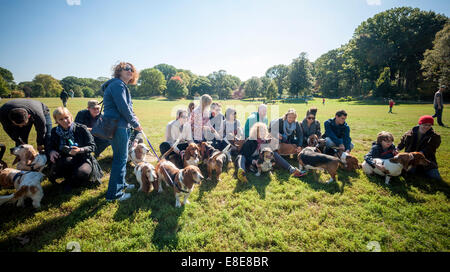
(174,132)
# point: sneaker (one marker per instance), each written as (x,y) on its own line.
(241,175)
(122,198)
(297,173)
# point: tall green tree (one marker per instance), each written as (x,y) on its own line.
(176,88)
(279,74)
(168,70)
(52,87)
(200,86)
(253,87)
(4,89)
(271,91)
(151,82)
(300,78)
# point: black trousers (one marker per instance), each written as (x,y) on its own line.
(438,114)
(74,170)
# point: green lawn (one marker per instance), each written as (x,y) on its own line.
(267,214)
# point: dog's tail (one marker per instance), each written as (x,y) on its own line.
(163,156)
(22,191)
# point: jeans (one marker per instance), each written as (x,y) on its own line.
(438,114)
(119,146)
(431,173)
(101,145)
(329,143)
(282,162)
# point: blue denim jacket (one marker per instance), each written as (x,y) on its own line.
(117,103)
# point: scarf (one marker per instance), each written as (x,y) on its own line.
(65,135)
(288,128)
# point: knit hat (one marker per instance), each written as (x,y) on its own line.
(426,119)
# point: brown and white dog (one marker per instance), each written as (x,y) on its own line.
(314,141)
(214,159)
(183,179)
(191,155)
(395,166)
(265,162)
(138,152)
(350,162)
(146,176)
(308,158)
(287,149)
(28,159)
(26,183)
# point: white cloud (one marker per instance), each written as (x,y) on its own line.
(373,2)
(73,2)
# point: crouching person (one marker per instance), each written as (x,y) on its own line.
(424,139)
(71,145)
(383,149)
(337,133)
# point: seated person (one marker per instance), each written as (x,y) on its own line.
(71,145)
(383,148)
(310,126)
(89,117)
(255,117)
(424,139)
(287,129)
(18,117)
(179,129)
(249,153)
(216,120)
(200,123)
(337,133)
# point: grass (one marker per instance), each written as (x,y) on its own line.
(277,213)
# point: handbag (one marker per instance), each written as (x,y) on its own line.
(105,127)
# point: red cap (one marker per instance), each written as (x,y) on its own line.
(426,119)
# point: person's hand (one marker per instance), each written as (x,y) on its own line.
(53,156)
(90,129)
(299,149)
(40,148)
(74,151)
(395,153)
(342,147)
(139,128)
(280,137)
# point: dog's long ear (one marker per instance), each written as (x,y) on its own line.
(16,160)
(147,186)
(30,155)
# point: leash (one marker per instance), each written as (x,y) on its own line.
(165,171)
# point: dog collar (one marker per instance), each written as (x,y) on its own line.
(18,175)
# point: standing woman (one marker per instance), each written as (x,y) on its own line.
(201,126)
(117,105)
(310,125)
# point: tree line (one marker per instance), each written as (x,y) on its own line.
(400,53)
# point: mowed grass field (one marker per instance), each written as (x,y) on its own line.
(278,213)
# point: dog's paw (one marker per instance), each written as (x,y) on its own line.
(258,174)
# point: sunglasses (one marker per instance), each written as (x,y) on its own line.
(310,118)
(128,68)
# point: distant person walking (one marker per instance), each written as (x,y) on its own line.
(323,101)
(64,97)
(439,105)
(391,105)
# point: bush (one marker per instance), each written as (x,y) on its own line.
(346,99)
(17,94)
(88,92)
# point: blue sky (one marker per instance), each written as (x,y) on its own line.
(85,38)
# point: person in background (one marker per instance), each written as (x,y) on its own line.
(19,115)
(391,105)
(424,139)
(190,109)
(439,105)
(255,117)
(89,118)
(310,126)
(70,149)
(64,97)
(118,105)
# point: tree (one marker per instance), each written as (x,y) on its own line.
(383,84)
(279,74)
(87,92)
(200,86)
(271,91)
(265,83)
(435,65)
(253,87)
(151,82)
(37,90)
(223,84)
(300,78)
(7,75)
(4,89)
(52,87)
(176,88)
(168,70)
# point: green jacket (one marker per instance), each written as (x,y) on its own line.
(253,119)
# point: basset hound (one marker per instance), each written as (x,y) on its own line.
(26,183)
(28,159)
(214,159)
(308,158)
(146,176)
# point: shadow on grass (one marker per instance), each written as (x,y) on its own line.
(53,229)
(163,213)
(402,186)
(260,183)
